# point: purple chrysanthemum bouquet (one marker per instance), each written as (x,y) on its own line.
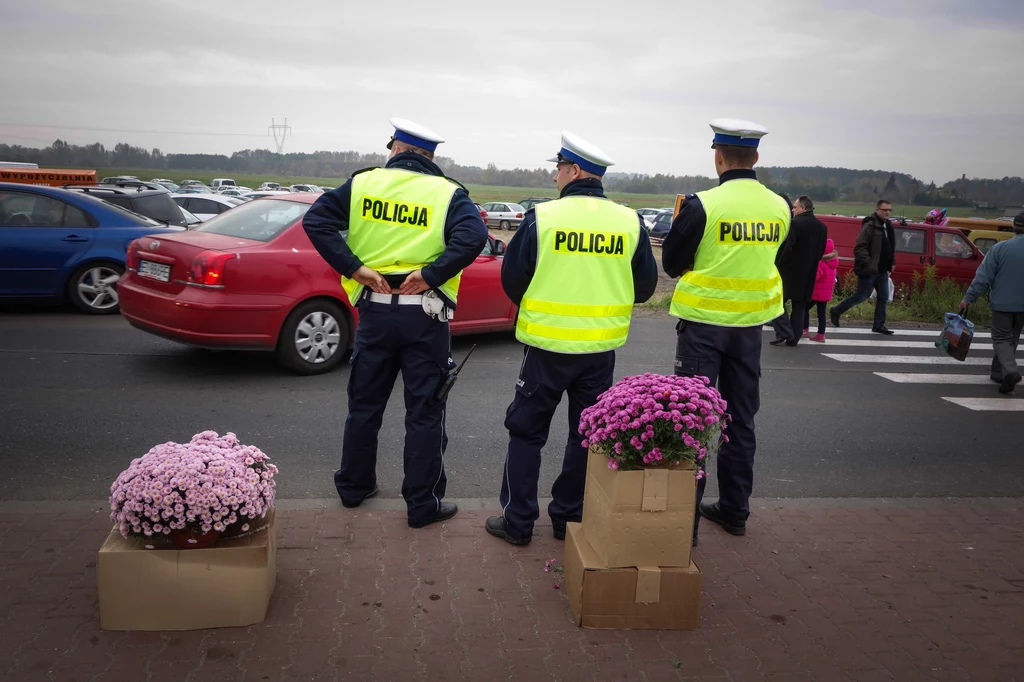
(211,483)
(655,420)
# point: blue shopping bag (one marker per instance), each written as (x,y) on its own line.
(956,336)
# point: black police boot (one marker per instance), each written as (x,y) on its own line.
(496,526)
(352,504)
(558,529)
(713,512)
(883,330)
(778,341)
(444,512)
(1009,382)
(834,316)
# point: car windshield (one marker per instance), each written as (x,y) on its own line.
(259,220)
(516,207)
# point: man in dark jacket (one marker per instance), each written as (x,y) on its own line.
(874,255)
(798,265)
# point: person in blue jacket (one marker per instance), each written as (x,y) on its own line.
(404,308)
(1001,274)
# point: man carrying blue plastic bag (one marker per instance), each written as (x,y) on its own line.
(1002,275)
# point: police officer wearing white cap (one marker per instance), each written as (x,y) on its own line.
(723,242)
(575,267)
(410,233)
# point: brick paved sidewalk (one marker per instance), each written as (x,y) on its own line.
(822,594)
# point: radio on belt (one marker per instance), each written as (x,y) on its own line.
(449,380)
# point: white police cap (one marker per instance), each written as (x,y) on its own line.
(414,134)
(585,155)
(737,132)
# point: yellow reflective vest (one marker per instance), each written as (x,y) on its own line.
(734,282)
(396,224)
(580,298)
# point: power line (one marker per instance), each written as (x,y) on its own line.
(283,128)
(121,130)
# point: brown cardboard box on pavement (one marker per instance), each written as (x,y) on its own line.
(639,518)
(226,585)
(645,598)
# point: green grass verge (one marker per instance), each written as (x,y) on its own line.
(485,193)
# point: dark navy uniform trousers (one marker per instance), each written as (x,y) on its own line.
(390,338)
(543,377)
(731,358)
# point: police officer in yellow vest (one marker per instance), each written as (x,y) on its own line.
(723,242)
(410,233)
(575,267)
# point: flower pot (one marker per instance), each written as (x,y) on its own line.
(193,539)
(642,517)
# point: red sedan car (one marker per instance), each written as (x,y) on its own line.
(250,279)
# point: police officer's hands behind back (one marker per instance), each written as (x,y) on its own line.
(373,279)
(414,283)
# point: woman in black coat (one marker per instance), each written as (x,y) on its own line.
(798,265)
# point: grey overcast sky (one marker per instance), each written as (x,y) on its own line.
(927,87)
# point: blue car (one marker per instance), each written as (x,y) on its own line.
(56,244)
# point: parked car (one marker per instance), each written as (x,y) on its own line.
(221,183)
(114,179)
(503,215)
(660,226)
(917,246)
(530,202)
(986,239)
(62,245)
(138,184)
(306,188)
(267,193)
(231,283)
(151,203)
(168,184)
(206,206)
(649,214)
(194,186)
(483,213)
(234,191)
(269,186)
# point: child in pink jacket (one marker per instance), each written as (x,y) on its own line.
(824,288)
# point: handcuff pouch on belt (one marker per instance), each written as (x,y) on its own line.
(436,307)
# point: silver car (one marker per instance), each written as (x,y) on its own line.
(504,215)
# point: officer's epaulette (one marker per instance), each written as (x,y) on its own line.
(363,170)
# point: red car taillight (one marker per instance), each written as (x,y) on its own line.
(208,269)
(519,215)
(132,258)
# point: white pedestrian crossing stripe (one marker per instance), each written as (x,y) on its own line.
(859,331)
(924,378)
(906,359)
(989,404)
(887,343)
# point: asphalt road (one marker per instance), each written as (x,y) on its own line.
(81,396)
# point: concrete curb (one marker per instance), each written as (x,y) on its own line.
(483,503)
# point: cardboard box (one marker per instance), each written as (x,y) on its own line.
(226,585)
(639,518)
(644,598)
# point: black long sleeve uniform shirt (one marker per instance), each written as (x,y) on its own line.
(520,261)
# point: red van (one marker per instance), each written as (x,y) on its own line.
(917,246)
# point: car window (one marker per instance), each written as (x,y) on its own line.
(516,208)
(203,206)
(180,201)
(25,209)
(488,247)
(232,201)
(952,245)
(159,208)
(259,220)
(909,241)
(984,244)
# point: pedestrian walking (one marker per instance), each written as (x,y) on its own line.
(410,233)
(724,242)
(824,289)
(797,262)
(1001,274)
(575,267)
(874,255)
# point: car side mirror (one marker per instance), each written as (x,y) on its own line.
(499,247)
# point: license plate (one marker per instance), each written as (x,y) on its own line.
(157,271)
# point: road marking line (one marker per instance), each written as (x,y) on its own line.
(923,378)
(906,359)
(899,332)
(888,343)
(988,404)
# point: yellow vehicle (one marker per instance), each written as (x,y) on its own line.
(966,224)
(986,239)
